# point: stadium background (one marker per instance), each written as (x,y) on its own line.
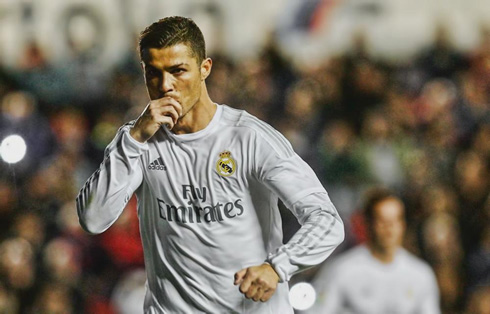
(368,92)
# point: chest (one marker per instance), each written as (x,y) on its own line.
(378,291)
(198,171)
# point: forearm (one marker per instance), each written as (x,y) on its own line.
(107,191)
(321,232)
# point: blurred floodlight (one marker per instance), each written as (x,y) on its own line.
(302,296)
(13,149)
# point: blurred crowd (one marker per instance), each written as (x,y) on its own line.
(421,128)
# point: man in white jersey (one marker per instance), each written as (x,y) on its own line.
(379,277)
(207,178)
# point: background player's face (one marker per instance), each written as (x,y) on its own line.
(174,72)
(388,225)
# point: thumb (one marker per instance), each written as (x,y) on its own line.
(239,276)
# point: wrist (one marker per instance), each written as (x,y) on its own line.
(273,269)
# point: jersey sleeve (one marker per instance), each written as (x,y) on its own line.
(105,194)
(279,168)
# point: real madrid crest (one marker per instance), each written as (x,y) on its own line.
(226,165)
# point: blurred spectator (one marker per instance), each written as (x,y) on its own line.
(441,59)
(363,83)
(222,80)
(33,57)
(382,154)
(129,293)
(8,204)
(379,276)
(18,270)
(441,242)
(301,120)
(471,172)
(478,267)
(481,142)
(479,301)
(103,132)
(342,169)
(30,226)
(17,263)
(62,262)
(340,162)
(71,129)
(18,115)
(8,301)
(54,299)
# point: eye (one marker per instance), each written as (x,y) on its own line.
(151,71)
(177,70)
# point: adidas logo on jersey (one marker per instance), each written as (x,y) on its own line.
(157,164)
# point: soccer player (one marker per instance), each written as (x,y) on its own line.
(379,277)
(207,178)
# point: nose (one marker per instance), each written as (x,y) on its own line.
(166,85)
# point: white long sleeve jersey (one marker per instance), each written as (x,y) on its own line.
(207,207)
(357,282)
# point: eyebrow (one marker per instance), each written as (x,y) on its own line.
(171,67)
(176,65)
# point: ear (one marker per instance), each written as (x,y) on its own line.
(142,65)
(206,66)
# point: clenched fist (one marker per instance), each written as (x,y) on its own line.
(163,111)
(257,282)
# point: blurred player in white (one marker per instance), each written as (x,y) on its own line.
(379,277)
(207,178)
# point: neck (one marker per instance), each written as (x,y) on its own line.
(384,255)
(198,117)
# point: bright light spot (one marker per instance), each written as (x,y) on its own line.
(13,149)
(302,296)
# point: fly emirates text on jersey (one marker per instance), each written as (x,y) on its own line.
(192,213)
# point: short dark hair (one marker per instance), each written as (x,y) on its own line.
(372,198)
(171,31)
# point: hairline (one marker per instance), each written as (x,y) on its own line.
(193,54)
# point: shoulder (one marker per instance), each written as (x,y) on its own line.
(126,126)
(342,268)
(350,259)
(416,264)
(261,130)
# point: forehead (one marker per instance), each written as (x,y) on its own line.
(390,208)
(168,56)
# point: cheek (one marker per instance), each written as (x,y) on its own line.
(152,85)
(193,90)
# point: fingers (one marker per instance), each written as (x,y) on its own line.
(258,295)
(164,111)
(167,102)
(257,283)
(164,115)
(247,282)
(251,293)
(267,295)
(239,276)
